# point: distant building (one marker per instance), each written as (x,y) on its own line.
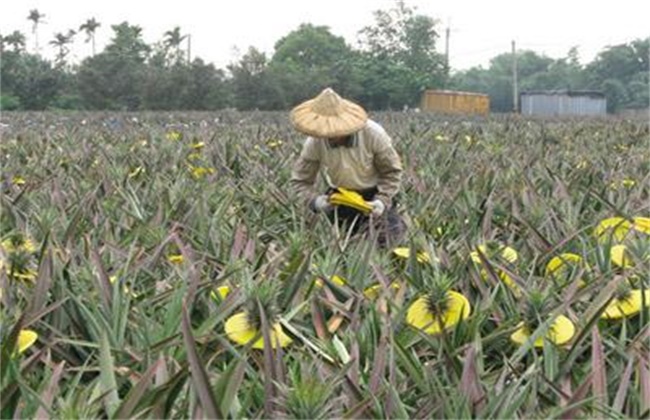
(562,103)
(453,102)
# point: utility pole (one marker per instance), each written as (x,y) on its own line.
(447,68)
(515,93)
(447,31)
(189,48)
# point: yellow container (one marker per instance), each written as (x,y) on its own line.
(452,102)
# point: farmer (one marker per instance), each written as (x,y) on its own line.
(353,152)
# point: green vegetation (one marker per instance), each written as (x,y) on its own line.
(120,231)
(397,59)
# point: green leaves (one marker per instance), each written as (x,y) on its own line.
(126,331)
(108,383)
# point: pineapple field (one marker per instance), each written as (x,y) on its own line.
(159,265)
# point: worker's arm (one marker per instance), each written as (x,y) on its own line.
(304,172)
(388,165)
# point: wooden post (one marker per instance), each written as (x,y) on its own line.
(447,47)
(189,47)
(515,93)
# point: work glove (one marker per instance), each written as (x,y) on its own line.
(378,208)
(321,204)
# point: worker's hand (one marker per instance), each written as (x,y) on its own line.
(322,204)
(378,208)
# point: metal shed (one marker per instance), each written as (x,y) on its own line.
(563,102)
(454,102)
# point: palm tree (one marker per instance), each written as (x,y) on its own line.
(173,40)
(37,18)
(89,27)
(61,41)
(16,40)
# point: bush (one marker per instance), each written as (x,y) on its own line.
(9,103)
(67,102)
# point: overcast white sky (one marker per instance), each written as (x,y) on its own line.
(479,29)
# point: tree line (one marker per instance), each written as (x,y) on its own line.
(395,61)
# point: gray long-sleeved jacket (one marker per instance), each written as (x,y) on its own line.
(371,162)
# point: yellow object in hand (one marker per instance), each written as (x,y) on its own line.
(349,198)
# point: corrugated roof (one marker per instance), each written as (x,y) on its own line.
(566,92)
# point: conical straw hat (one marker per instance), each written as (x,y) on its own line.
(328,115)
